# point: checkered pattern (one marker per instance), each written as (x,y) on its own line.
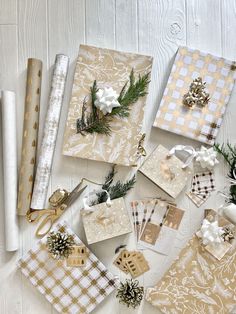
(203,184)
(201,124)
(68,289)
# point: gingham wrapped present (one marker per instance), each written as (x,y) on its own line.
(68,289)
(201,124)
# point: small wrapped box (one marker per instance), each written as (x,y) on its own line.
(69,289)
(166,172)
(106,222)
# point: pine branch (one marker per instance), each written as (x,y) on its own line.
(229,154)
(120,189)
(223,152)
(96,122)
(117,190)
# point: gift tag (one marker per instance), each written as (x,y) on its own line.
(78,257)
(137,264)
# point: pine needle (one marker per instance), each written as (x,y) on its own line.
(96,122)
(116,190)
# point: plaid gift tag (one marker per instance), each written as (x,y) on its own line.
(69,289)
(203,184)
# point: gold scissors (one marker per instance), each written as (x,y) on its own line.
(59,201)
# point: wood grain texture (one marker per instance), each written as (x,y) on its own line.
(43,28)
(8,12)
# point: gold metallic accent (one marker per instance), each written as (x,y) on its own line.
(196,96)
(58,197)
(141,149)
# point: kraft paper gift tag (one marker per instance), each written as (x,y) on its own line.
(109,68)
(200,123)
(106,222)
(47,148)
(161,228)
(166,172)
(197,282)
(132,262)
(30,135)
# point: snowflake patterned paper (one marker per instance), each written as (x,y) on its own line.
(199,123)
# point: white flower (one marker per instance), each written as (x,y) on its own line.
(207,157)
(106,99)
(210,232)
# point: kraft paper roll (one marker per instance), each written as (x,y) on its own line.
(50,132)
(30,135)
(8,104)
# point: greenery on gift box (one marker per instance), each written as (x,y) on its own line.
(98,122)
(130,293)
(228,151)
(115,190)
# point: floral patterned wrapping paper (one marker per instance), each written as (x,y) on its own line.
(197,282)
(109,68)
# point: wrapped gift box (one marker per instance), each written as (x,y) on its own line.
(197,282)
(201,124)
(70,290)
(109,68)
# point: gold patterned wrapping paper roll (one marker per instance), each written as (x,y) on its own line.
(30,135)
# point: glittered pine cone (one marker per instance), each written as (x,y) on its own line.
(60,244)
(130,293)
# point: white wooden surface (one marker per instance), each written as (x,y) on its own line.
(42,28)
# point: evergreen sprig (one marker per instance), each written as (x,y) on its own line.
(96,121)
(116,190)
(228,152)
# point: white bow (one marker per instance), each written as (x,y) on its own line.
(188,149)
(92,209)
(210,232)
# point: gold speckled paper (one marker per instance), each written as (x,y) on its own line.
(197,282)
(109,68)
(165,172)
(106,222)
(30,135)
(201,124)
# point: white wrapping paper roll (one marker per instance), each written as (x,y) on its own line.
(8,104)
(50,132)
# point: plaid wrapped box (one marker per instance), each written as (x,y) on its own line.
(201,124)
(69,289)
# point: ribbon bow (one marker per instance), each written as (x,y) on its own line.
(211,233)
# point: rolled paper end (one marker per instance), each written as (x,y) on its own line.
(8,106)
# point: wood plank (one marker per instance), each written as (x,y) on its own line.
(10,298)
(126,26)
(8,12)
(100,23)
(33,43)
(8,76)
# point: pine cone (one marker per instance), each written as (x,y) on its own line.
(130,293)
(60,244)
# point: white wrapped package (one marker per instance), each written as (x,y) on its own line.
(9,142)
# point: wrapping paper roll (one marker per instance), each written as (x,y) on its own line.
(50,132)
(30,135)
(8,104)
